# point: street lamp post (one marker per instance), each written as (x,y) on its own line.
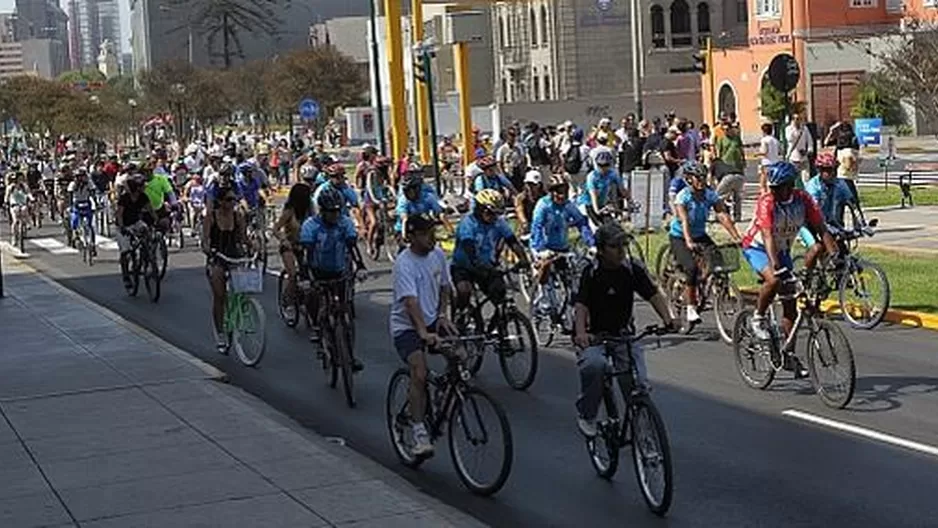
(132,103)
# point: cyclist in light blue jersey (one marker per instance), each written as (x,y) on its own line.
(831,193)
(416,199)
(338,182)
(601,183)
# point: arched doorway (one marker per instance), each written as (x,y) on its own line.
(726,100)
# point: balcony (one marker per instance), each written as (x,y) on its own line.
(515,57)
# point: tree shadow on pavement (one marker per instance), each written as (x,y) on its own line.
(885,393)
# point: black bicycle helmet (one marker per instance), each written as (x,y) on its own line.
(329,200)
(610,234)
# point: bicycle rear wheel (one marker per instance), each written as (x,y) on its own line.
(249,338)
(831,365)
(664,266)
(478,422)
(753,357)
(864,294)
(517,353)
(651,454)
(635,250)
(343,358)
(397,416)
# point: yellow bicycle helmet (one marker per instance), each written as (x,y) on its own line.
(489,199)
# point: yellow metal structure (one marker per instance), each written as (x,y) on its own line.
(711,81)
(395,53)
(461,63)
(424,141)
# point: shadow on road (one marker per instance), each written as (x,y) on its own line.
(885,393)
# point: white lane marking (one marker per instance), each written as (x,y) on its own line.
(862,431)
(53,246)
(105,243)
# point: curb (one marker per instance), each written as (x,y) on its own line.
(901,317)
(210,371)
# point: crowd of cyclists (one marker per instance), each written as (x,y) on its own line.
(524,195)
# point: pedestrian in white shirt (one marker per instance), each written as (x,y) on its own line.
(769,148)
(800,146)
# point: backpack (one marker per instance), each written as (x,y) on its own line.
(532,145)
(573,159)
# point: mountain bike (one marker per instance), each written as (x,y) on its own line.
(86,238)
(257,235)
(509,334)
(829,357)
(103,214)
(19,224)
(469,417)
(630,418)
(337,332)
(141,262)
(715,289)
(245,324)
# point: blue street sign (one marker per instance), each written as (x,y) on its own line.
(869,131)
(309,109)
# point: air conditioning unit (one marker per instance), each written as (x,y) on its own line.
(464,26)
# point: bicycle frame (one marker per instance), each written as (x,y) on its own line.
(805,314)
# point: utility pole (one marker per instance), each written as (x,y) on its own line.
(378,102)
(638,50)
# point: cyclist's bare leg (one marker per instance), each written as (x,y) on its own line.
(768,290)
(371,220)
(463,292)
(542,270)
(289,264)
(219,296)
(811,256)
(418,386)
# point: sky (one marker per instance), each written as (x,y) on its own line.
(7,6)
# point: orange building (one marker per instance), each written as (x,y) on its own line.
(830,40)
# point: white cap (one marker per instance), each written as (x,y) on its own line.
(533,176)
(605,121)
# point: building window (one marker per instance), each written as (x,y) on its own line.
(547,94)
(742,12)
(535,85)
(703,22)
(505,94)
(862,3)
(533,18)
(657,27)
(501,31)
(680,24)
(768,8)
(544,38)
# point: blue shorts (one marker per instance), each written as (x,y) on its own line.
(408,342)
(758,259)
(81,210)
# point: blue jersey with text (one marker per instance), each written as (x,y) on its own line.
(484,237)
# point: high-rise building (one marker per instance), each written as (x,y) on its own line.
(40,19)
(93,22)
(35,39)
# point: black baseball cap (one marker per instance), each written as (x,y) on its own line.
(421,223)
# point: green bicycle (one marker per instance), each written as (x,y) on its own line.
(245,322)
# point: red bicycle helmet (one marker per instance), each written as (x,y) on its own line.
(826,160)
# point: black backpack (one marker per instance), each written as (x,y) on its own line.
(573,159)
(532,144)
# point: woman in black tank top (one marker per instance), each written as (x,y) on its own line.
(222,232)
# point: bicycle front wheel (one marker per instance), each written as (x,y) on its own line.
(249,337)
(397,415)
(151,278)
(831,365)
(518,351)
(480,442)
(727,305)
(651,454)
(864,294)
(343,358)
(604,448)
(162,256)
(753,357)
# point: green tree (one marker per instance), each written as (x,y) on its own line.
(322,73)
(228,21)
(86,75)
(874,99)
(773,103)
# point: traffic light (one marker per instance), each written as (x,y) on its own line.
(700,62)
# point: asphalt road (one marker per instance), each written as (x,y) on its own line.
(738,460)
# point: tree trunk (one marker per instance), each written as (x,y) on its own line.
(226,52)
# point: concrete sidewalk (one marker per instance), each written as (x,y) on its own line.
(105,425)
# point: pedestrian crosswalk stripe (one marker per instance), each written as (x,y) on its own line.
(52,246)
(106,243)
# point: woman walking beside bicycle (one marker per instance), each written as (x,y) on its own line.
(688,233)
(224,233)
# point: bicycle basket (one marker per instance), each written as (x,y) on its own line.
(726,258)
(246,280)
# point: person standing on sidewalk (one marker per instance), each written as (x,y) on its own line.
(769,148)
(423,289)
(800,147)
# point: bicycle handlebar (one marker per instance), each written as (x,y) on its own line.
(236,261)
(613,339)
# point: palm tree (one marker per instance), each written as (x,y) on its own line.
(229,20)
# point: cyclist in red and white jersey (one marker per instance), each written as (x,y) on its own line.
(779,216)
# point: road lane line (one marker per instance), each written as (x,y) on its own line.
(52,246)
(862,431)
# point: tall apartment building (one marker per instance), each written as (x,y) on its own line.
(40,19)
(573,49)
(93,22)
(831,42)
(35,39)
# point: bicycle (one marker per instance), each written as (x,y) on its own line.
(717,265)
(103,213)
(759,361)
(455,405)
(382,235)
(336,333)
(142,263)
(639,426)
(244,315)
(256,235)
(509,345)
(162,251)
(553,313)
(86,239)
(19,225)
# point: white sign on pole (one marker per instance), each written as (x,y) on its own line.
(648,188)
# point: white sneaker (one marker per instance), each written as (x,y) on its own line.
(422,446)
(221,342)
(289,311)
(760,327)
(692,316)
(587,427)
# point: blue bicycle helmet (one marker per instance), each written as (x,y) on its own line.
(604,158)
(781,173)
(330,200)
(691,168)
